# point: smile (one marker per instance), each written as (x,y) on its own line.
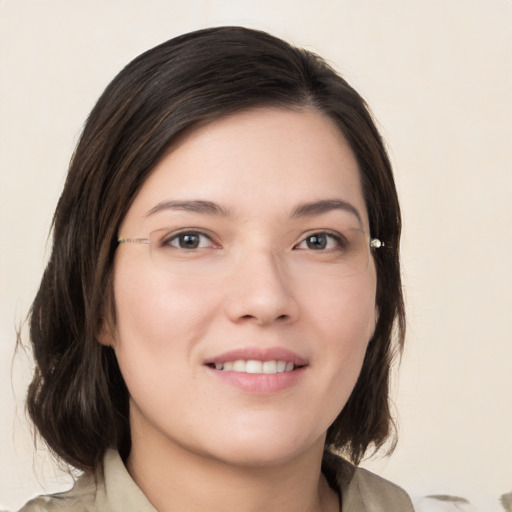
(257,370)
(255,366)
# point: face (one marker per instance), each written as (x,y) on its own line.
(242,326)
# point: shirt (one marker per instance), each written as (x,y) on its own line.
(115,491)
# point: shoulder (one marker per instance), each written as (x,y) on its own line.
(79,499)
(110,488)
(362,490)
(378,493)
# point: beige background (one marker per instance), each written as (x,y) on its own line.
(438,75)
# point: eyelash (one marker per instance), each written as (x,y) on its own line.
(338,239)
(168,241)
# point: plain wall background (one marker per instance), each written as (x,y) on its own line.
(438,76)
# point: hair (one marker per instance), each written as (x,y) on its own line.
(78,400)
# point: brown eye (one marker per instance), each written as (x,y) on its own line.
(320,242)
(316,242)
(189,240)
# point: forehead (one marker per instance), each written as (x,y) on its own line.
(265,160)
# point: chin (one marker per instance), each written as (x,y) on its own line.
(254,449)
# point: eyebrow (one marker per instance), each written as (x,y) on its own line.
(302,210)
(195,206)
(324,206)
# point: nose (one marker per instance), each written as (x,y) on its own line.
(260,291)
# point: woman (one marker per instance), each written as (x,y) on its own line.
(217,314)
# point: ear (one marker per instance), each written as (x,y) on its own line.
(376,321)
(105,334)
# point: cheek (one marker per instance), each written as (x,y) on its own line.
(344,315)
(156,309)
(158,323)
(345,309)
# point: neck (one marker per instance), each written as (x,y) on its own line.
(174,478)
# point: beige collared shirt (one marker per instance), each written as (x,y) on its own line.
(117,492)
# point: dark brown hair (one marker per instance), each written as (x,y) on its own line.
(77,399)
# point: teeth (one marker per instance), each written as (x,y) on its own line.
(239,366)
(254,366)
(269,367)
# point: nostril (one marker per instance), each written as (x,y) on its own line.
(280,318)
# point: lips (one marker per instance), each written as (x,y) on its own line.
(255,366)
(269,361)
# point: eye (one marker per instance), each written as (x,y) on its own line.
(189,240)
(321,241)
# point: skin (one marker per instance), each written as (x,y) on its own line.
(199,441)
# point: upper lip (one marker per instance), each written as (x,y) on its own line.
(258,354)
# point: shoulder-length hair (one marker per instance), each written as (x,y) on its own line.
(77,399)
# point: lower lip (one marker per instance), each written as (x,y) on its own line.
(260,383)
